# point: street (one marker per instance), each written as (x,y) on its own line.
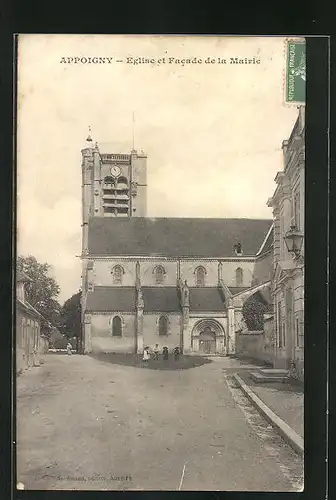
(83,423)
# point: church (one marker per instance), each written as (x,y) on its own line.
(175,282)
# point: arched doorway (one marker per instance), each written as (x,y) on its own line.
(207,341)
(208,337)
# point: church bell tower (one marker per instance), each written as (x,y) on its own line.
(113,184)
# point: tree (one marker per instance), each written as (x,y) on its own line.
(253,312)
(42,291)
(71,316)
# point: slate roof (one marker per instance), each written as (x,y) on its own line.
(161,299)
(175,237)
(156,299)
(29,309)
(207,299)
(108,298)
(268,245)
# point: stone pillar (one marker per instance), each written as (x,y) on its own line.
(178,271)
(139,332)
(184,339)
(231,346)
(239,319)
(220,271)
(87,334)
(97,198)
(139,342)
(137,272)
(185,316)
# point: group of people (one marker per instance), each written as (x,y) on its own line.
(156,353)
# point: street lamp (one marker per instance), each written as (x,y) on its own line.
(294,239)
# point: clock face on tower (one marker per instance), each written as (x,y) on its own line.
(115,171)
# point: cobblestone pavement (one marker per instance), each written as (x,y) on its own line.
(88,424)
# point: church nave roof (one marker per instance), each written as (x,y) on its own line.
(109,298)
(175,237)
(205,299)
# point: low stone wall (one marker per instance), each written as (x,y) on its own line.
(252,345)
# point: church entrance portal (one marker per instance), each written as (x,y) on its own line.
(207,341)
(208,337)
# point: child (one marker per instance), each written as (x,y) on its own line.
(69,349)
(146,355)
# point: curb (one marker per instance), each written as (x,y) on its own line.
(285,431)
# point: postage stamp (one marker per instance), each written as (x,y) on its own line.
(295,71)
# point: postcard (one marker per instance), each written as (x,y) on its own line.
(160,270)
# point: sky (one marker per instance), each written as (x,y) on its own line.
(212,130)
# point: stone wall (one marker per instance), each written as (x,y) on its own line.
(252,345)
(263,269)
(101,333)
(147,272)
(101,274)
(151,331)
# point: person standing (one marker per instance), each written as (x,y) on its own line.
(165,353)
(69,349)
(156,351)
(146,355)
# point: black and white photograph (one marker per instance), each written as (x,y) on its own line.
(159,337)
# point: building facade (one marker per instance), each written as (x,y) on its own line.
(288,267)
(29,341)
(175,282)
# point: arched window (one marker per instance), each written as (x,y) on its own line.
(116,326)
(239,276)
(117,273)
(122,182)
(163,325)
(108,183)
(159,273)
(200,276)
